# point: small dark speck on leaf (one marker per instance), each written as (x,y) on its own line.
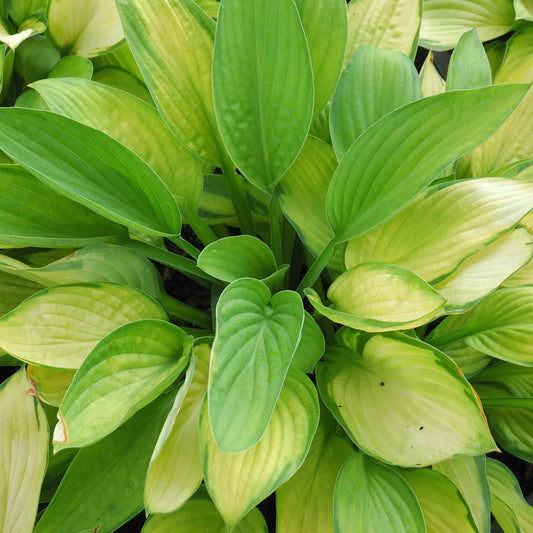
(382,384)
(417,464)
(421,428)
(338,405)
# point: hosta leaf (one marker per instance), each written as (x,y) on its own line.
(311,347)
(241,256)
(392,24)
(373,497)
(326,28)
(19,10)
(132,122)
(375,83)
(98,262)
(262,43)
(256,337)
(58,327)
(90,168)
(49,384)
(517,379)
(120,78)
(404,151)
(305,502)
(237,481)
(444,21)
(302,195)
(32,214)
(120,57)
(200,514)
(443,506)
(14,290)
(125,371)
(112,470)
(24,444)
(445,224)
(505,488)
(403,401)
(379,297)
(176,66)
(486,270)
(72,67)
(469,66)
(84,27)
(432,82)
(524,9)
(175,469)
(469,475)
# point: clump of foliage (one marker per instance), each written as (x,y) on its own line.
(363,246)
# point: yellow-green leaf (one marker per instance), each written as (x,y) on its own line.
(49,384)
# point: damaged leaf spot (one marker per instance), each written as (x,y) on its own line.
(382,384)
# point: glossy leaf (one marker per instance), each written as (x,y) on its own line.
(133,123)
(311,347)
(176,66)
(49,384)
(113,469)
(373,497)
(42,217)
(370,185)
(148,355)
(379,297)
(240,256)
(237,481)
(305,502)
(444,21)
(326,28)
(263,45)
(403,401)
(469,66)
(58,327)
(256,337)
(175,468)
(72,67)
(24,444)
(445,224)
(374,83)
(469,475)
(367,27)
(91,168)
(443,506)
(84,27)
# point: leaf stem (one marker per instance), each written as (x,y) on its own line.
(519,403)
(186,246)
(452,336)
(275,219)
(288,238)
(317,267)
(181,311)
(201,228)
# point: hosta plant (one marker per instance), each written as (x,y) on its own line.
(342,309)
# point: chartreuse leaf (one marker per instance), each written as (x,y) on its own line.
(500,326)
(403,152)
(256,337)
(402,401)
(486,270)
(200,514)
(373,497)
(84,27)
(326,28)
(72,67)
(49,384)
(175,468)
(148,355)
(367,26)
(305,502)
(432,81)
(113,469)
(58,327)
(176,66)
(120,78)
(469,66)
(263,44)
(379,297)
(24,444)
(444,21)
(311,347)
(524,9)
(119,57)
(470,477)
(135,124)
(443,505)
(374,83)
(14,290)
(98,262)
(240,256)
(444,225)
(42,217)
(19,10)
(302,195)
(504,488)
(237,481)
(91,168)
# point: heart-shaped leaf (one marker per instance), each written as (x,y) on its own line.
(237,481)
(403,401)
(311,347)
(256,339)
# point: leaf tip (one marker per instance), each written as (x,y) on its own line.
(60,431)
